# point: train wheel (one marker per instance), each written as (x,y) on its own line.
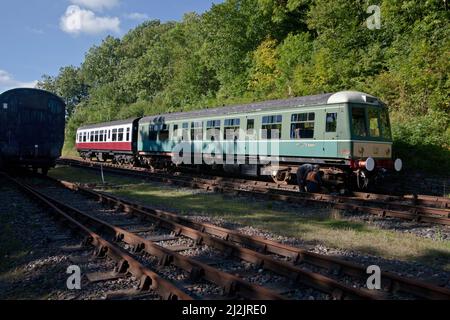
(282,177)
(362,180)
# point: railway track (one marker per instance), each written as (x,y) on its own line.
(132,235)
(294,269)
(418,208)
(170,245)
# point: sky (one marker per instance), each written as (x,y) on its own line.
(39,37)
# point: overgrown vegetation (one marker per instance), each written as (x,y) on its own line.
(247,50)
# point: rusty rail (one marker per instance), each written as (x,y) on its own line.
(225,239)
(380,205)
(149,280)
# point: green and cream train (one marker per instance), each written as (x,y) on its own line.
(348,134)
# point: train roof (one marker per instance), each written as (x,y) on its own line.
(26,90)
(307,101)
(109,124)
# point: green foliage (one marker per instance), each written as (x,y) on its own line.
(247,50)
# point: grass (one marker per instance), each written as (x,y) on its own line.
(315,226)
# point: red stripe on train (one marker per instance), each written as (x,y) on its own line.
(113,146)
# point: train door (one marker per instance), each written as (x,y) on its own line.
(332,118)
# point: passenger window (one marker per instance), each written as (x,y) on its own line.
(231,129)
(359,126)
(120,136)
(213,130)
(153,133)
(374,123)
(250,124)
(271,127)
(109,134)
(331,122)
(101,135)
(164,133)
(303,125)
(96,136)
(114,135)
(197,131)
(128,134)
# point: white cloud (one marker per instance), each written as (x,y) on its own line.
(97,5)
(77,20)
(137,16)
(8,82)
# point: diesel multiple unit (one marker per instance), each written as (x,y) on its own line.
(348,134)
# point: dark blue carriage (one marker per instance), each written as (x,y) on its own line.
(32,124)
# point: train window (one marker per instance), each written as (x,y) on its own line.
(213,130)
(101,136)
(385,124)
(164,132)
(85,137)
(331,122)
(114,135)
(250,124)
(105,136)
(231,129)
(153,132)
(109,134)
(359,125)
(197,131)
(175,130)
(271,128)
(128,134)
(120,136)
(374,122)
(302,126)
(213,124)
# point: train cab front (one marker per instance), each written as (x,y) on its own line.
(372,158)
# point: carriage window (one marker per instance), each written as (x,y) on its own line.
(302,126)
(213,127)
(128,134)
(105,135)
(164,133)
(153,133)
(175,130)
(271,127)
(385,124)
(114,135)
(359,126)
(96,136)
(120,135)
(331,122)
(101,135)
(109,134)
(85,137)
(250,124)
(231,129)
(374,122)
(213,124)
(197,131)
